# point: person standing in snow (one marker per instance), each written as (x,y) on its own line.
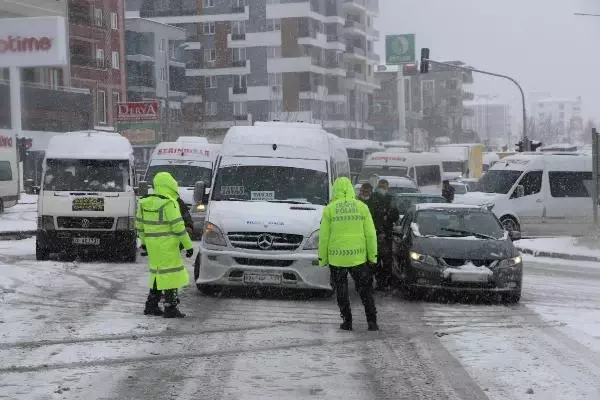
(447,191)
(161,230)
(348,244)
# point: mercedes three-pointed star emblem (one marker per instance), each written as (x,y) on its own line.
(265,241)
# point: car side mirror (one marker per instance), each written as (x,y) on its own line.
(199,192)
(514,235)
(520,191)
(142,189)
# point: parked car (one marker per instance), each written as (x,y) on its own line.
(459,248)
(404,201)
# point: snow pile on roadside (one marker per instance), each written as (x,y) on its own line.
(559,245)
(21,217)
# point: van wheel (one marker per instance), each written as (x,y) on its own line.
(207,290)
(510,224)
(41,253)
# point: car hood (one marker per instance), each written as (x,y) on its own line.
(260,216)
(477,198)
(468,248)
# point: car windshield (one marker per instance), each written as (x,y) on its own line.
(459,188)
(459,223)
(402,189)
(367,172)
(403,203)
(271,183)
(86,175)
(498,181)
(185,175)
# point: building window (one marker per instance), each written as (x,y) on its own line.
(101,107)
(114,20)
(304,105)
(238,54)
(276,79)
(273,25)
(209,3)
(98,17)
(208,28)
(238,27)
(274,52)
(210,55)
(561,106)
(240,81)
(100,58)
(116,64)
(163,74)
(210,108)
(240,108)
(116,100)
(210,82)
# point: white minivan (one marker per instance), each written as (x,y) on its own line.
(9,173)
(424,168)
(272,181)
(87,202)
(189,160)
(538,193)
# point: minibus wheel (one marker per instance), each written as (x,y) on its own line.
(510,224)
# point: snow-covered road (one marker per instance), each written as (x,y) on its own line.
(75,331)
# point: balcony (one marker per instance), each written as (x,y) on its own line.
(240,89)
(354,27)
(238,63)
(374,57)
(238,9)
(50,109)
(362,5)
(240,117)
(334,38)
(89,62)
(355,52)
(87,20)
(238,36)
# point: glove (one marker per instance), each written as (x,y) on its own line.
(143,251)
(189,253)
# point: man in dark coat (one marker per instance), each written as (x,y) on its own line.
(384,216)
(447,191)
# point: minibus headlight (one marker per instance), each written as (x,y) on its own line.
(125,223)
(313,241)
(213,235)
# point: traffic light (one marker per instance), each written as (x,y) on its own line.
(23,146)
(424,60)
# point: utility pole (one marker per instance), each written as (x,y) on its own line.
(167,90)
(526,142)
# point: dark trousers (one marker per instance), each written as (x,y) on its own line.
(171,297)
(383,269)
(362,279)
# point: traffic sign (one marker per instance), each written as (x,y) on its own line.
(400,49)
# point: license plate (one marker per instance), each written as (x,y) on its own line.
(268,279)
(469,277)
(86,241)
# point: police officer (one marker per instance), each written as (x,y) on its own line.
(161,230)
(348,244)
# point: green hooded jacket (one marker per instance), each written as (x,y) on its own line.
(161,228)
(347,237)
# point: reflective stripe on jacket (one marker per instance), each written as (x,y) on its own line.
(161,228)
(347,237)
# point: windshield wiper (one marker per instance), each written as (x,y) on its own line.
(289,201)
(469,233)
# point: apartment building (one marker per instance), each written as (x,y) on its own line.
(555,116)
(491,119)
(250,60)
(97,43)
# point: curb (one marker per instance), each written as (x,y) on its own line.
(17,235)
(562,256)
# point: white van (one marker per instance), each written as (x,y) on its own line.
(273,180)
(189,161)
(461,160)
(87,201)
(9,173)
(424,168)
(538,193)
(192,139)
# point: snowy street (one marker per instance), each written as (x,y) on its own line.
(76,331)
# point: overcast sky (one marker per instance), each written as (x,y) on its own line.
(538,42)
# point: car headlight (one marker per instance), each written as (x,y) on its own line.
(422,258)
(510,262)
(313,241)
(212,235)
(46,223)
(199,208)
(125,223)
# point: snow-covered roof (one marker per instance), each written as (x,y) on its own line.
(90,145)
(192,139)
(446,206)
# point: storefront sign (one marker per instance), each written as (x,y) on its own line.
(6,141)
(138,133)
(138,111)
(33,42)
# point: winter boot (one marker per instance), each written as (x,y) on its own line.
(173,312)
(372,326)
(346,325)
(152,309)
